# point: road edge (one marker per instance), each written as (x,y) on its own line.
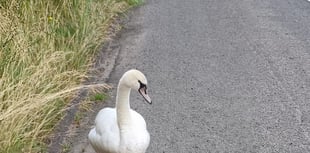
(102,66)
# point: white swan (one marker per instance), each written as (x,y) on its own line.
(121,129)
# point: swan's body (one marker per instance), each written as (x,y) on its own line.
(106,137)
(121,129)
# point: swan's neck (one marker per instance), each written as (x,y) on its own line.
(123,106)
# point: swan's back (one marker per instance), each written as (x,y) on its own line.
(105,136)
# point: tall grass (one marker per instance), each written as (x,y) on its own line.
(45,50)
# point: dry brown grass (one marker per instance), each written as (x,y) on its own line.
(45,50)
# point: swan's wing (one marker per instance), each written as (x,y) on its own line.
(139,137)
(138,120)
(106,121)
(105,136)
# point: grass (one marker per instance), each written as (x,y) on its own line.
(65,148)
(135,2)
(46,48)
(98,97)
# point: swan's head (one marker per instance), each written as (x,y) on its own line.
(136,80)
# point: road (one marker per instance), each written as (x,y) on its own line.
(224,76)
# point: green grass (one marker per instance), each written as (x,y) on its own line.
(98,97)
(135,2)
(65,148)
(46,48)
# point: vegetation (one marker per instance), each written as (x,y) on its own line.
(45,50)
(98,97)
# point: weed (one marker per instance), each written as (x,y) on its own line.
(77,118)
(65,148)
(98,97)
(135,2)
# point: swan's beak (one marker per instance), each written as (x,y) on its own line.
(142,91)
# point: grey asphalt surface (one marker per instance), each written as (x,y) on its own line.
(224,76)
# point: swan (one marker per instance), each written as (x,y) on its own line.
(121,129)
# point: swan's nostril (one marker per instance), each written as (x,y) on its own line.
(142,91)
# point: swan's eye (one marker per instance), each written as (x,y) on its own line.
(142,85)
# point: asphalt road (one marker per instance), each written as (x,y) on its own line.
(224,76)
